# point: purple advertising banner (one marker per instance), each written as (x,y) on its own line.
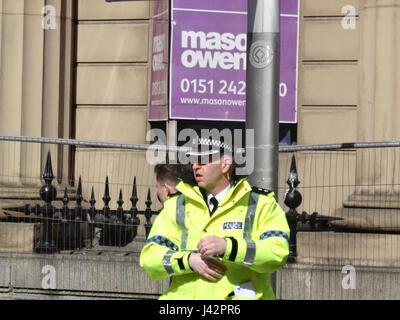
(158,109)
(288,63)
(290,7)
(208,60)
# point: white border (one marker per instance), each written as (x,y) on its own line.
(297,62)
(160,14)
(289,15)
(171,39)
(211,11)
(150,91)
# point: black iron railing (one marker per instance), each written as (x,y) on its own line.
(303,222)
(117,227)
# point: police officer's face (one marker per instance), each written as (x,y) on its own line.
(211,176)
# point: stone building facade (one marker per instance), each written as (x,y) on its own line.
(88,78)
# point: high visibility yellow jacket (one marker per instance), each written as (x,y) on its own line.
(256,233)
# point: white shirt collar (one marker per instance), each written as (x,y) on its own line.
(219,196)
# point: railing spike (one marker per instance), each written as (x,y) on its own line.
(65,199)
(79,199)
(293,180)
(79,196)
(134,198)
(106,199)
(148,201)
(92,198)
(92,210)
(48,175)
(292,199)
(293,164)
(120,209)
(120,200)
(48,193)
(148,213)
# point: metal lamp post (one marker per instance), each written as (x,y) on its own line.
(262,93)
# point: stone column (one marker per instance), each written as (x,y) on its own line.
(36,63)
(11,86)
(32,91)
(58,85)
(377,173)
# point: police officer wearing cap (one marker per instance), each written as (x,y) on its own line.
(220,239)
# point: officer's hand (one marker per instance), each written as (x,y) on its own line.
(208,267)
(212,245)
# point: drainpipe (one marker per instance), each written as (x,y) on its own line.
(262,100)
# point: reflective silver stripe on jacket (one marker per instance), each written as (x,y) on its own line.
(180,220)
(248,228)
(167,261)
(250,253)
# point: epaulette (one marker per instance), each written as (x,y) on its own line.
(174,194)
(261,190)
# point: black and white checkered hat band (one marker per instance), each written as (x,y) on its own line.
(215,145)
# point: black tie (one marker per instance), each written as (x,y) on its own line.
(214,201)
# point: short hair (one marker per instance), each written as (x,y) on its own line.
(173,173)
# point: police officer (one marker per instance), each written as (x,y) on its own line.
(219,240)
(168,176)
